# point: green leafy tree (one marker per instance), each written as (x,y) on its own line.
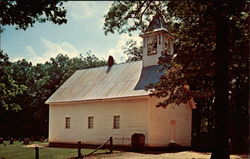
(40,81)
(212,41)
(133,51)
(24,13)
(9,88)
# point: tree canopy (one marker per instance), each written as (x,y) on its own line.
(26,87)
(212,43)
(9,89)
(194,26)
(24,13)
(133,51)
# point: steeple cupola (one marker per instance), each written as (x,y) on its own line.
(156,39)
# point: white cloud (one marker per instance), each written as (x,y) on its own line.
(86,9)
(16,59)
(104,11)
(81,9)
(30,50)
(51,50)
(101,22)
(117,51)
(32,55)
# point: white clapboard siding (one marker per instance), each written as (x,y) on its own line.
(133,119)
(160,132)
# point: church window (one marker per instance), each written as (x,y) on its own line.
(90,122)
(116,122)
(152,45)
(67,122)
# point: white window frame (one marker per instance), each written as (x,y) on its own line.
(116,122)
(152,45)
(67,122)
(90,122)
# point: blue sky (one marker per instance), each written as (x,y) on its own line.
(82,32)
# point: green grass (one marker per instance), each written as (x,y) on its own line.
(17,151)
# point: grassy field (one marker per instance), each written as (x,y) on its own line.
(18,151)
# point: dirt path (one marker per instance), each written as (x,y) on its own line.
(34,145)
(178,155)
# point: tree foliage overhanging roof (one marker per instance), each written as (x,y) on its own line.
(210,54)
(193,25)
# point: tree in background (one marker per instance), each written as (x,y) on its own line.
(24,13)
(18,85)
(212,43)
(9,88)
(40,82)
(133,51)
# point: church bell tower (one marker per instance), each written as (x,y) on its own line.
(156,39)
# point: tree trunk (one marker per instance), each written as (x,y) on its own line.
(220,145)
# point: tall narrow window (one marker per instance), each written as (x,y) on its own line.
(90,122)
(67,122)
(116,122)
(152,45)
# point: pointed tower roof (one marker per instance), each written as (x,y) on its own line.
(157,23)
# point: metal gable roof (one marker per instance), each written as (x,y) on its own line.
(121,80)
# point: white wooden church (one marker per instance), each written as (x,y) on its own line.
(96,103)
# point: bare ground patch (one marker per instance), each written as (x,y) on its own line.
(177,155)
(34,145)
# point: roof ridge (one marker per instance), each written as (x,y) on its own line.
(107,65)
